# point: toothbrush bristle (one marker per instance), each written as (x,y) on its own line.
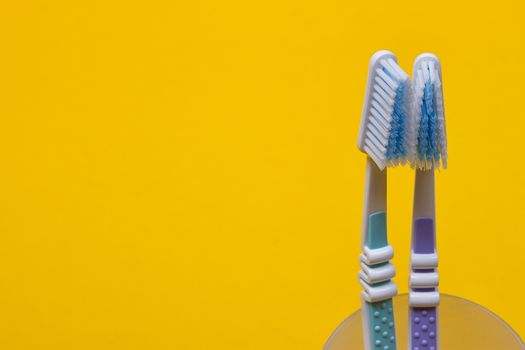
(430,144)
(385,139)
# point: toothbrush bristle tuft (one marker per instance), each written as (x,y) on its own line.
(387,123)
(430,133)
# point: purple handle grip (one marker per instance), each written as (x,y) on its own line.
(424,328)
(424,332)
(424,242)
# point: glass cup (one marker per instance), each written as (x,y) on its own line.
(463,325)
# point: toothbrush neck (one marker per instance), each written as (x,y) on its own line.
(424,197)
(375,194)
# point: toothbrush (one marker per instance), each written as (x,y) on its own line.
(383,137)
(430,151)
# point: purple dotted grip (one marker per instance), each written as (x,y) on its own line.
(424,319)
(424,328)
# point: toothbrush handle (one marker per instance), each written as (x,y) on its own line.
(424,295)
(375,277)
(380,328)
(424,330)
(375,195)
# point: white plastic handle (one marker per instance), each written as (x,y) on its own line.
(377,256)
(423,299)
(424,261)
(377,274)
(424,279)
(373,294)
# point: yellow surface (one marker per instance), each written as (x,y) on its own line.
(184,175)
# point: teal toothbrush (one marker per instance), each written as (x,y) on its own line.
(383,136)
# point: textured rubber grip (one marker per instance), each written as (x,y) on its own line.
(382,331)
(424,328)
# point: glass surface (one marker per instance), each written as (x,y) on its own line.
(463,325)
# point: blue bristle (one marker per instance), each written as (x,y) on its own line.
(428,148)
(397,147)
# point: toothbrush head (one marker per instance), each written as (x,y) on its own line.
(383,134)
(429,145)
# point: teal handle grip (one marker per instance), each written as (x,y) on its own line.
(379,324)
(377,237)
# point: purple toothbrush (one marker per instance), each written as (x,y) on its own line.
(430,152)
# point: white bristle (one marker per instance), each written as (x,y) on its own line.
(381,129)
(417,99)
(431,71)
(380,162)
(377,141)
(379,119)
(380,82)
(441,116)
(385,114)
(374,144)
(390,65)
(382,75)
(385,77)
(402,75)
(386,97)
(387,104)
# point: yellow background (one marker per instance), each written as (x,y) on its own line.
(184,175)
